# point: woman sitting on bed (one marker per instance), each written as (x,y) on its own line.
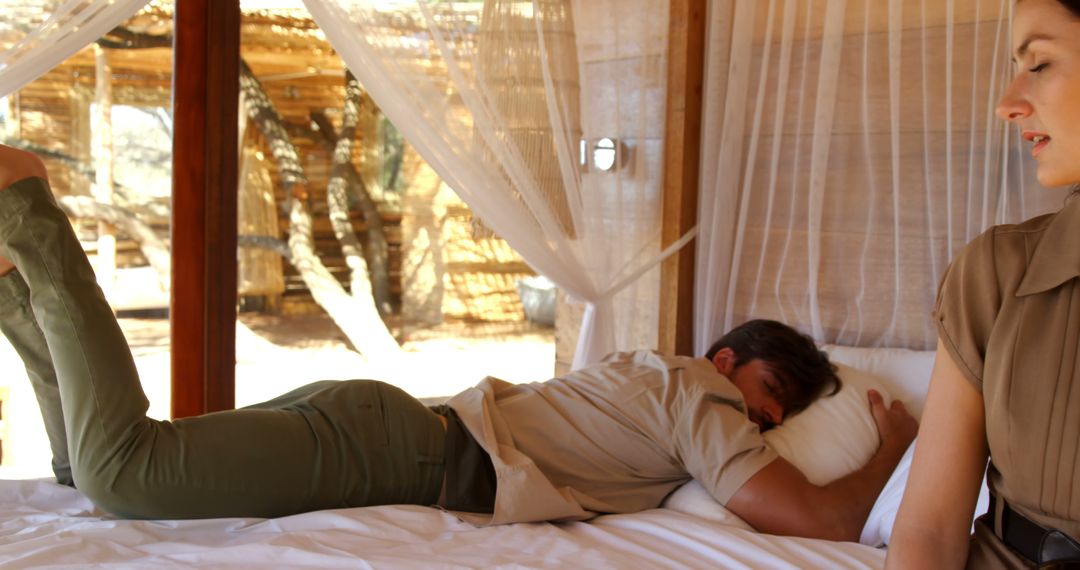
(616,437)
(1006,384)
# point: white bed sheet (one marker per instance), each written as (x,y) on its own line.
(47,525)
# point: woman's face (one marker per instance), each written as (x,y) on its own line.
(1044,98)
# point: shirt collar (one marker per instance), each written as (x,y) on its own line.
(1056,258)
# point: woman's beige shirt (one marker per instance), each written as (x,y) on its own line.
(1009,314)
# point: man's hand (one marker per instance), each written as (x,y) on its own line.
(895,425)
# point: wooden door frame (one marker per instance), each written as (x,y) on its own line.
(206,90)
(682,159)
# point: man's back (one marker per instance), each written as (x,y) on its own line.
(619,436)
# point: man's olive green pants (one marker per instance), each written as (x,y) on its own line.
(325,445)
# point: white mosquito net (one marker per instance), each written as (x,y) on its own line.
(498,97)
(850,147)
(37,35)
(850,150)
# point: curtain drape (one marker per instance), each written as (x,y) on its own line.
(499,96)
(37,35)
(850,150)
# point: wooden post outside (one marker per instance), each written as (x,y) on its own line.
(13,127)
(206,89)
(81,141)
(105,266)
(682,150)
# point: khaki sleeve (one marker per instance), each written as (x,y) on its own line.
(968,302)
(720,447)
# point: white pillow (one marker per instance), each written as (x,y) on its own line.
(693,499)
(879,525)
(835,435)
(878,528)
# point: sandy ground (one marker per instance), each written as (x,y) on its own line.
(277,354)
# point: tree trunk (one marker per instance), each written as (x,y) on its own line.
(102,152)
(357,317)
(376,250)
(123,38)
(337,201)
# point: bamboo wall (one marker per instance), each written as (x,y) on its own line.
(930,74)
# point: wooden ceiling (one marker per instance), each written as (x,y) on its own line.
(292,57)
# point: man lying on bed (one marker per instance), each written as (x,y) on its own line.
(614,438)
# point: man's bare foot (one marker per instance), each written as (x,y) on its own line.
(16,165)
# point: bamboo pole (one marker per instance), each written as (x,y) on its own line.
(102,153)
(206,91)
(682,150)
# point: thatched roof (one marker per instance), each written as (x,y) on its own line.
(279,41)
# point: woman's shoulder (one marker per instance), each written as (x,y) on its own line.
(1005,244)
(17,164)
(992,264)
(1023,229)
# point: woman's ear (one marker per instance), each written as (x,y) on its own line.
(724,361)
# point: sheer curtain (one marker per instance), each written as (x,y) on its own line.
(498,97)
(37,35)
(850,150)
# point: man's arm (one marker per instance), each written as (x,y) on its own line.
(779,499)
(934,522)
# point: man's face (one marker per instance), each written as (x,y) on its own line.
(760,388)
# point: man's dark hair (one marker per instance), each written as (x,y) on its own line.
(804,371)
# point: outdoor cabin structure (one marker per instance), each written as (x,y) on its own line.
(457,274)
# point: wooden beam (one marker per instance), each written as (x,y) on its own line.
(206,90)
(103,157)
(682,150)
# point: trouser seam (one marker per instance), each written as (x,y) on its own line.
(77,333)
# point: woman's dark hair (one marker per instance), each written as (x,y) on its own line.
(1072,5)
(804,371)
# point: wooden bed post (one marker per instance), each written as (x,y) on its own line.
(682,150)
(206,86)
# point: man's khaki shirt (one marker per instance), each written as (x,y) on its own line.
(616,437)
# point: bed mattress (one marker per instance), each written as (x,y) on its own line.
(43,524)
